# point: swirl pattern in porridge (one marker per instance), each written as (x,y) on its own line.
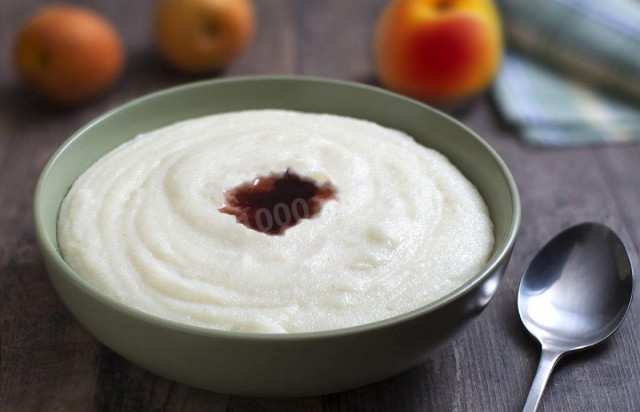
(403,227)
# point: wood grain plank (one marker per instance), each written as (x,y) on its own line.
(336,37)
(275,44)
(47,360)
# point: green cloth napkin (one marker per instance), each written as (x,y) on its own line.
(569,59)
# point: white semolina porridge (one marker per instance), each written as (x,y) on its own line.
(385,225)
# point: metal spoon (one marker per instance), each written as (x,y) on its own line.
(574,294)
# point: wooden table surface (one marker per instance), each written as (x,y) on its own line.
(48,362)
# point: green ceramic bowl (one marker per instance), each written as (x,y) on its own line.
(277,364)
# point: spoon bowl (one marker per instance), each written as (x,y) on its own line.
(574,294)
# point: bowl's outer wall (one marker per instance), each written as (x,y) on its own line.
(275,367)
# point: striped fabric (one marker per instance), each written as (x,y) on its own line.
(569,59)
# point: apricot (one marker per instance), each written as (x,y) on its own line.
(198,36)
(68,54)
(439,51)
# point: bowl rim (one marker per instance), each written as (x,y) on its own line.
(48,248)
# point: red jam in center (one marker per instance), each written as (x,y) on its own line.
(271,204)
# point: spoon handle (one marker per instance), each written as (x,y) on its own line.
(548,360)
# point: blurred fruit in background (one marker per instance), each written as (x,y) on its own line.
(68,54)
(198,36)
(439,51)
